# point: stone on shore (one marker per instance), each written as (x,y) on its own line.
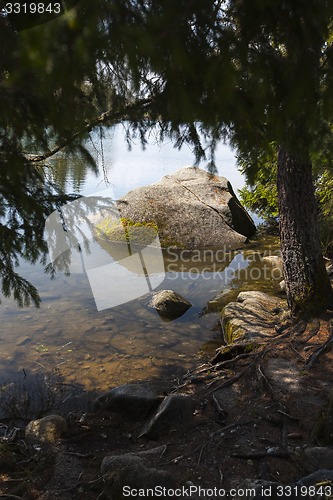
(318,457)
(133,400)
(137,477)
(47,429)
(252,318)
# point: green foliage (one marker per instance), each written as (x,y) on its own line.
(43,101)
(260,193)
(25,202)
(324,191)
(256,73)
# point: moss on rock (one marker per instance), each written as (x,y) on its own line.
(124,230)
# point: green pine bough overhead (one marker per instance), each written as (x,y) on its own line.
(254,73)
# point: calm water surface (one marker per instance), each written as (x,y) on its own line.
(98,350)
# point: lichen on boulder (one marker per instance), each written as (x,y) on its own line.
(191,209)
(126,231)
(252,318)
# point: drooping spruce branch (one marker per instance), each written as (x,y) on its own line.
(109,117)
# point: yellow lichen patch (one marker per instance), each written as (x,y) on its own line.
(106,227)
(127,231)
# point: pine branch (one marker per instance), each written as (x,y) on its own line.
(107,118)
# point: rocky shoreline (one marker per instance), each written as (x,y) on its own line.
(256,418)
(253,421)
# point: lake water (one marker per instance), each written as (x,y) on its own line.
(94,350)
(127,169)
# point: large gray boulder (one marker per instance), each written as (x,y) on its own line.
(191,209)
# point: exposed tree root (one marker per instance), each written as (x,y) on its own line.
(322,349)
(229,381)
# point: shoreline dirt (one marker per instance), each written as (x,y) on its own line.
(255,415)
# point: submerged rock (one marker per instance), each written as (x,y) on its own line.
(191,209)
(169,303)
(220,300)
(252,317)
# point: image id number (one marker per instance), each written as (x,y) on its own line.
(33,8)
(320,490)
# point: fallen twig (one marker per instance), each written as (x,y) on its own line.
(219,408)
(79,455)
(285,432)
(181,457)
(11,497)
(200,454)
(265,380)
(287,415)
(230,427)
(256,455)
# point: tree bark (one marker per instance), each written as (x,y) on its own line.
(307,284)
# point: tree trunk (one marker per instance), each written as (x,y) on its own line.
(307,284)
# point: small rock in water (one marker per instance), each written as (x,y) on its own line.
(169,303)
